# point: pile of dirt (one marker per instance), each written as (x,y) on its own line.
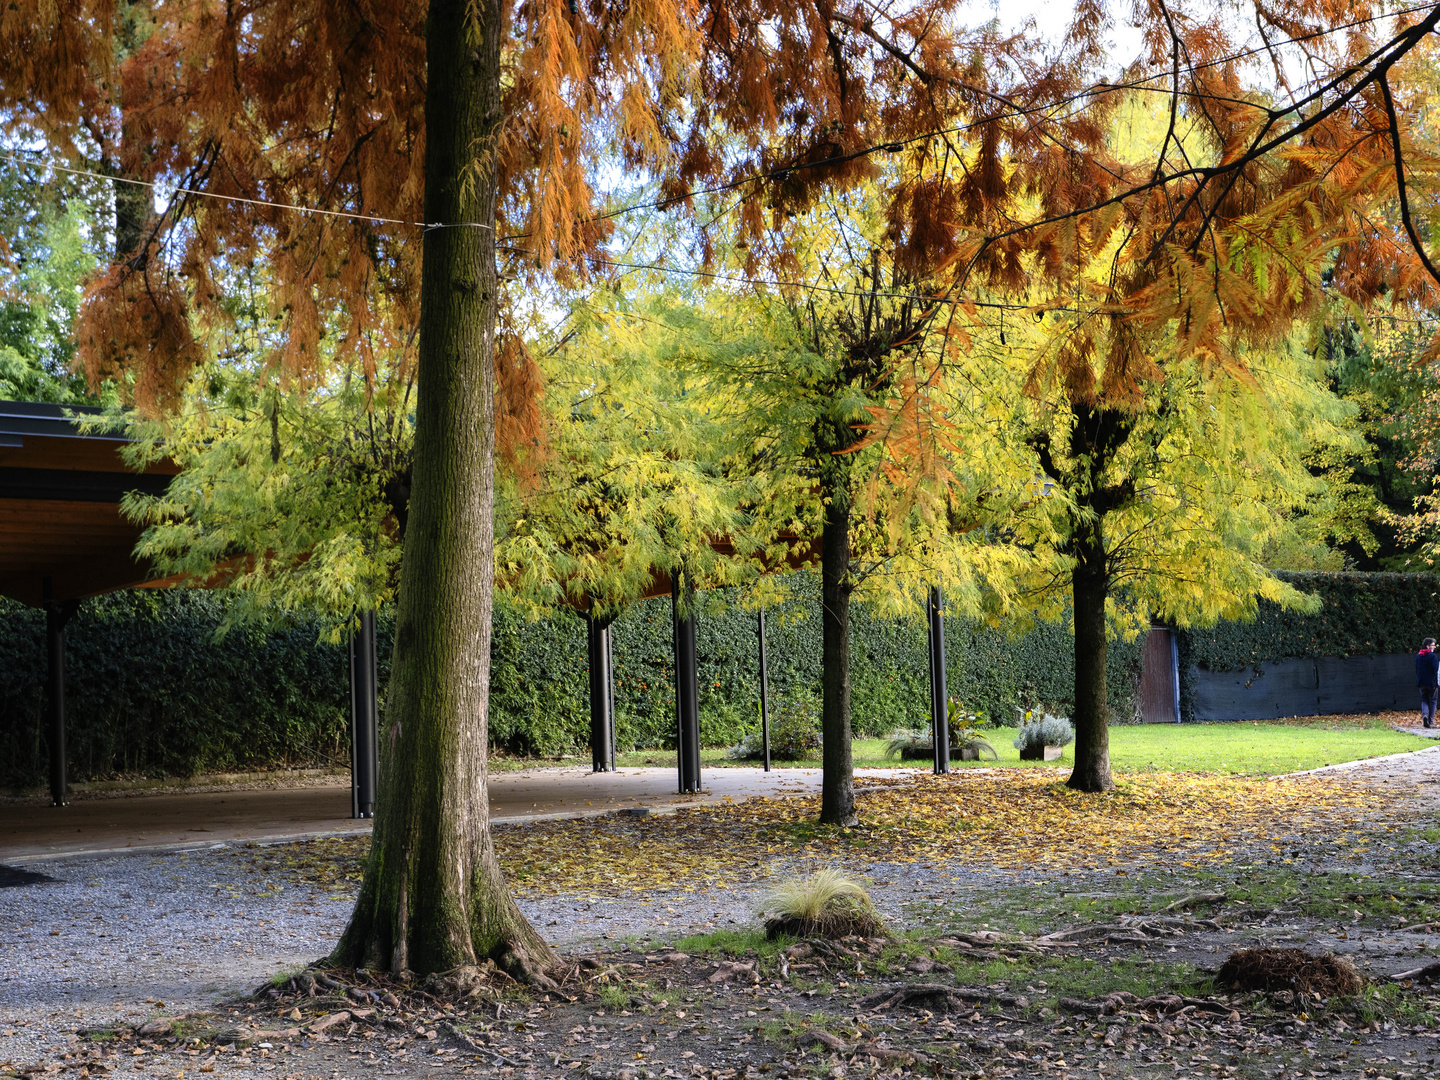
(1290,969)
(838,920)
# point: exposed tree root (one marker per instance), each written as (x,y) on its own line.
(1428,973)
(1123,1001)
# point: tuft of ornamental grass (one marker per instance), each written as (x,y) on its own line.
(826,904)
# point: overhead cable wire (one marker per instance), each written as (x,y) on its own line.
(176,189)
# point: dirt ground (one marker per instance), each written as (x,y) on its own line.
(1078,971)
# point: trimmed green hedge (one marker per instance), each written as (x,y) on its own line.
(1362,614)
(151,691)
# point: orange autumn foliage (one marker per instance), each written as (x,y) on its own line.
(1006,167)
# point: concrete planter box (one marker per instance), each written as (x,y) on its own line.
(957,753)
(1041,753)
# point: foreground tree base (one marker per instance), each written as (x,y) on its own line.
(440,930)
(1092,780)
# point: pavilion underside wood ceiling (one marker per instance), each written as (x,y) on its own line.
(61,533)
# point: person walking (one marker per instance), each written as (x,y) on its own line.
(1427,678)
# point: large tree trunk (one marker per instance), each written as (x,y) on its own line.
(837,785)
(433,896)
(1090,583)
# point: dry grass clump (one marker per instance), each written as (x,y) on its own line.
(1290,969)
(826,904)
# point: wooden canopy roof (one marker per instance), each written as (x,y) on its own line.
(61,533)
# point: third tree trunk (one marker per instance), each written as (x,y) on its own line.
(837,796)
(1090,580)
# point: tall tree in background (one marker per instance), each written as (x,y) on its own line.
(1192,258)
(45,258)
(435,127)
(796,398)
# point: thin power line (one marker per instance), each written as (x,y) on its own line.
(373,218)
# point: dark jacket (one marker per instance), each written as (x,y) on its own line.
(1427,667)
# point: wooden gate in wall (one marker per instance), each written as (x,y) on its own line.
(1160,678)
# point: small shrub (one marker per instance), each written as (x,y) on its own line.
(826,904)
(963,727)
(907,740)
(794,731)
(917,743)
(1044,731)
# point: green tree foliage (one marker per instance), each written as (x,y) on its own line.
(296,499)
(797,405)
(47,243)
(1170,509)
(637,477)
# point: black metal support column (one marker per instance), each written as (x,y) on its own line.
(364,719)
(764,692)
(939,697)
(610,690)
(602,720)
(687,685)
(57,614)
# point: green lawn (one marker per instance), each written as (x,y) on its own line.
(1249,748)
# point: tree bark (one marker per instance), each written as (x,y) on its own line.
(433,896)
(837,785)
(134,203)
(1090,584)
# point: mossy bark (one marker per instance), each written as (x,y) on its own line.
(1096,438)
(433,896)
(837,785)
(1090,584)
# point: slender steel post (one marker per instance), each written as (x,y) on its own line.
(56,616)
(930,681)
(764,693)
(679,692)
(1175,669)
(602,754)
(364,719)
(610,690)
(939,698)
(687,685)
(357,710)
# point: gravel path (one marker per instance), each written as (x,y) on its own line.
(125,937)
(116,936)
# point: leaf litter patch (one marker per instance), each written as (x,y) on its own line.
(1003,820)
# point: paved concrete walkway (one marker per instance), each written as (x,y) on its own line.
(31,831)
